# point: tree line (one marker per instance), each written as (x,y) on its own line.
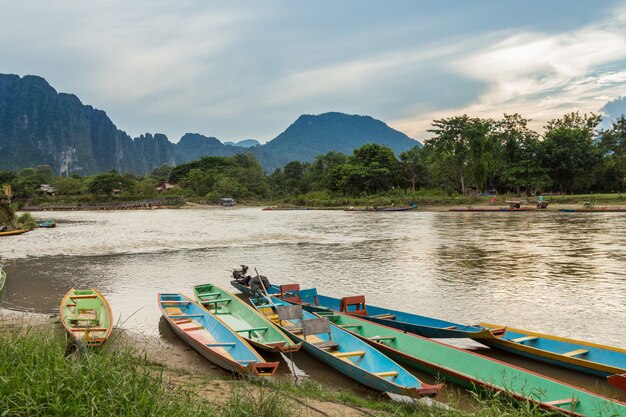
(465,155)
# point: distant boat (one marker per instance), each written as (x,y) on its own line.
(259,331)
(595,210)
(284,208)
(47,223)
(86,316)
(211,338)
(13,232)
(591,358)
(478,372)
(376,209)
(342,351)
(491,209)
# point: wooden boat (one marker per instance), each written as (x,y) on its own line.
(595,210)
(3,278)
(86,316)
(342,350)
(355,305)
(591,358)
(13,232)
(258,330)
(385,209)
(475,371)
(284,208)
(491,209)
(210,337)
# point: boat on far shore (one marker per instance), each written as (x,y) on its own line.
(491,209)
(383,209)
(594,210)
(13,232)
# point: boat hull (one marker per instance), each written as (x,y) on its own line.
(363,369)
(239,316)
(211,338)
(13,232)
(475,371)
(86,316)
(3,278)
(592,358)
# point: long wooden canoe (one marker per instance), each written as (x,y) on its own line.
(3,278)
(13,232)
(86,316)
(491,209)
(258,330)
(210,337)
(591,358)
(476,371)
(342,350)
(595,210)
(413,323)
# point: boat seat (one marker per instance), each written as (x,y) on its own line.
(191,329)
(576,352)
(564,401)
(358,301)
(327,345)
(296,330)
(349,354)
(386,374)
(450,328)
(218,301)
(89,329)
(220,344)
(253,329)
(181,321)
(185,316)
(246,361)
(209,294)
(349,326)
(524,339)
(83,297)
(175,302)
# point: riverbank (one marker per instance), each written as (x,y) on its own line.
(134,374)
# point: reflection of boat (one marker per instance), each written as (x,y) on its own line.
(595,210)
(490,209)
(412,323)
(592,358)
(13,232)
(86,316)
(478,372)
(341,350)
(47,223)
(3,278)
(210,337)
(377,209)
(243,319)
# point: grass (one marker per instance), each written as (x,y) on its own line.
(39,378)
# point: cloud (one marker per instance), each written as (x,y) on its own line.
(540,76)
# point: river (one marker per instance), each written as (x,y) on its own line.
(559,273)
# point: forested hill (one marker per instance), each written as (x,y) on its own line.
(39,126)
(313,135)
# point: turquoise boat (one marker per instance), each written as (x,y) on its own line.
(258,330)
(413,323)
(211,337)
(591,358)
(478,372)
(341,350)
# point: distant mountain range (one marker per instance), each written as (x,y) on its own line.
(39,126)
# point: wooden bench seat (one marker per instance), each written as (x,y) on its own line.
(349,354)
(386,374)
(576,352)
(524,339)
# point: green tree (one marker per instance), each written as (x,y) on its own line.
(569,153)
(161,173)
(198,181)
(106,183)
(67,185)
(380,165)
(413,166)
(613,148)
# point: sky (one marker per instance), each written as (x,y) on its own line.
(247,69)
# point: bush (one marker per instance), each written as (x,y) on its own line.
(26,221)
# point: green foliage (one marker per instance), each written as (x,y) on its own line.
(68,185)
(7,214)
(26,221)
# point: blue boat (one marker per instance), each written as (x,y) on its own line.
(412,323)
(342,350)
(591,358)
(211,338)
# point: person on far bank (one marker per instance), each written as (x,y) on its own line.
(494,200)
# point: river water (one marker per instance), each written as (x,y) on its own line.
(559,273)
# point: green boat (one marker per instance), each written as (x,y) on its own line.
(86,316)
(474,371)
(243,319)
(3,277)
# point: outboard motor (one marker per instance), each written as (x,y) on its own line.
(239,274)
(255,284)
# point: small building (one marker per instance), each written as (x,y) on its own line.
(47,189)
(227,201)
(165,186)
